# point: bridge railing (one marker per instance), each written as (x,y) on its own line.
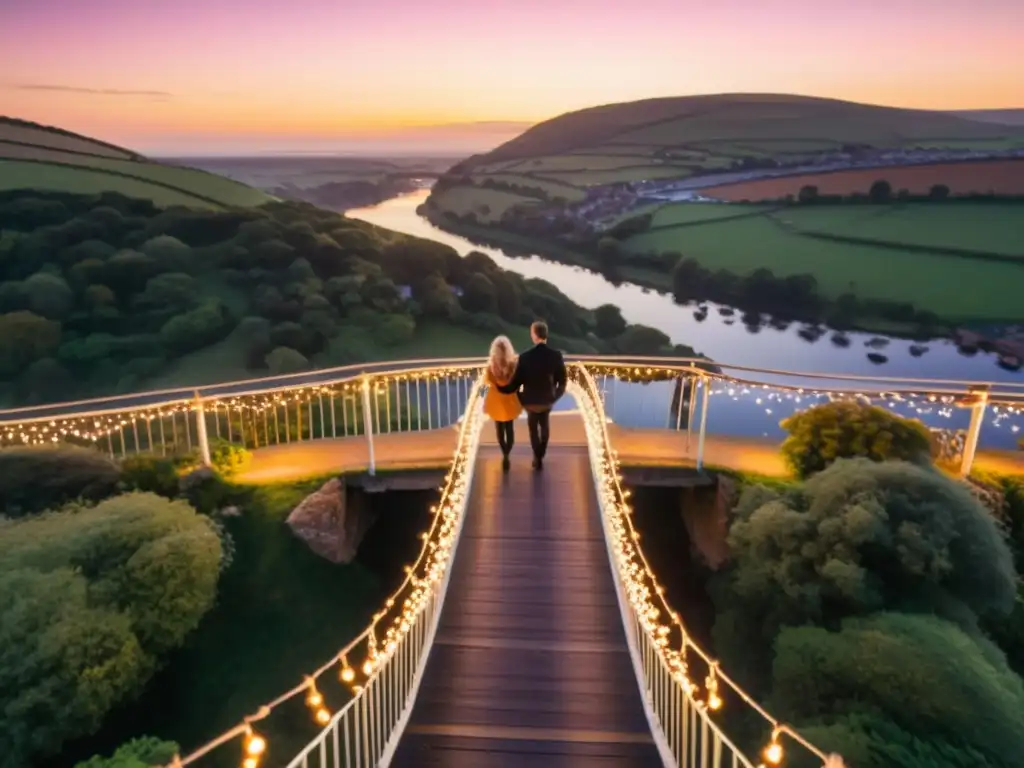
(267,413)
(383,665)
(692,397)
(662,652)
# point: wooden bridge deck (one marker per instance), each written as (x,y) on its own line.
(530,666)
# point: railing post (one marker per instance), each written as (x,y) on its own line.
(706,385)
(978,408)
(204,441)
(368,423)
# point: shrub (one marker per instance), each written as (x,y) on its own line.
(228,458)
(844,429)
(34,478)
(92,600)
(153,474)
(951,694)
(137,753)
(207,491)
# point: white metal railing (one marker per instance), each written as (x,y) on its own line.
(661,651)
(365,732)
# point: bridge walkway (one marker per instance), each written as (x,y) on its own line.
(530,665)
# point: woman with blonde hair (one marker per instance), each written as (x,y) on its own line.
(504,409)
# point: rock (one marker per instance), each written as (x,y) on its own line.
(231,512)
(329,526)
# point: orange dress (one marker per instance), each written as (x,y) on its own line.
(498,406)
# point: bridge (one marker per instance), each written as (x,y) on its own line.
(531,630)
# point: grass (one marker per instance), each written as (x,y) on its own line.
(489,205)
(629,173)
(987,227)
(575,162)
(12,130)
(281,612)
(20,174)
(952,287)
(552,187)
(188,180)
(673,214)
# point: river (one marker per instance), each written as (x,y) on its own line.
(714,336)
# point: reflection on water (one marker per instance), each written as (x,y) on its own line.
(723,337)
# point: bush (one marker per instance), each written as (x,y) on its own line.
(843,430)
(862,537)
(284,360)
(152,474)
(228,458)
(207,491)
(954,693)
(137,753)
(34,478)
(92,601)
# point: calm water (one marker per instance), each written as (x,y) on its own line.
(734,410)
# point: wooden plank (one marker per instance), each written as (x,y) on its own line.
(531,663)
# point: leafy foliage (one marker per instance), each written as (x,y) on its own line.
(871,581)
(34,478)
(948,698)
(92,600)
(144,752)
(843,429)
(100,293)
(153,474)
(228,458)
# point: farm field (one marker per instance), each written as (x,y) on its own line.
(218,188)
(984,289)
(999,176)
(19,174)
(579,162)
(983,227)
(487,204)
(21,132)
(627,173)
(553,187)
(674,214)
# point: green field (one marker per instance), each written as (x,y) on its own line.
(983,227)
(20,174)
(953,287)
(36,157)
(628,173)
(488,205)
(570,163)
(673,214)
(553,187)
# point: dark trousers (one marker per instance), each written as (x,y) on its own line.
(540,431)
(506,435)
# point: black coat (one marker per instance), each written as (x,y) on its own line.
(539,379)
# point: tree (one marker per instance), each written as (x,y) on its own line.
(642,340)
(92,602)
(169,252)
(35,478)
(480,294)
(197,328)
(24,338)
(845,429)
(808,194)
(393,330)
(880,192)
(45,380)
(938,192)
(145,752)
(894,669)
(48,295)
(172,292)
(436,298)
(127,272)
(284,360)
(609,320)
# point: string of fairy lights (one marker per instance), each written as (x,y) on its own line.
(646,595)
(773,398)
(403,609)
(94,428)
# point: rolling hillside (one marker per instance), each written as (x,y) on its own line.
(50,159)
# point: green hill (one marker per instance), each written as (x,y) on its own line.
(54,160)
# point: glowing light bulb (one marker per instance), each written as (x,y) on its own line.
(250,762)
(714,701)
(255,745)
(773,753)
(347,674)
(323,717)
(314,699)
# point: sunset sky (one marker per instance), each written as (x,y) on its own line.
(207,76)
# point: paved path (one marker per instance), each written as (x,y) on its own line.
(636,447)
(530,666)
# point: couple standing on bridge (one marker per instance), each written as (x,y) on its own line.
(534,381)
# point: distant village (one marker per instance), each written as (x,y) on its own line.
(605,205)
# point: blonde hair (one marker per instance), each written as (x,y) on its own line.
(502,362)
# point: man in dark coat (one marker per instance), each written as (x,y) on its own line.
(539,380)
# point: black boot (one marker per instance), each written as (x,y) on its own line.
(538,463)
(505,464)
